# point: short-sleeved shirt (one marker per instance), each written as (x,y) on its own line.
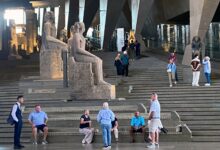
(85,118)
(137,121)
(38,118)
(155,107)
(113,122)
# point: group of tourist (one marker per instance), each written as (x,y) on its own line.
(122,64)
(109,123)
(128,52)
(195,65)
(106,118)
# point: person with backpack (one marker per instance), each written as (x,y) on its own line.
(16,114)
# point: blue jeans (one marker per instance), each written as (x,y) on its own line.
(106,134)
(208,77)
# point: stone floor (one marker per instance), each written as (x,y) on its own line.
(122,146)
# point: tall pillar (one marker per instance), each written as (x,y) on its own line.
(140,16)
(1,26)
(103,4)
(201,15)
(61,18)
(31,30)
(114,9)
(73,13)
(91,8)
(81,10)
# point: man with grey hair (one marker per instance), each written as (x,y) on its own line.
(105,117)
(155,123)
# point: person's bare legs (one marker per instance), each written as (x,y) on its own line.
(45,133)
(34,133)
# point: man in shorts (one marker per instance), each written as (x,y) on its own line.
(155,123)
(38,120)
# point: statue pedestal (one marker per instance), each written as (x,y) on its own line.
(81,80)
(51,64)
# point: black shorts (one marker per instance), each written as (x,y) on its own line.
(138,130)
(41,127)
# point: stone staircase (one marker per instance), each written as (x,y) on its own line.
(64,113)
(198,107)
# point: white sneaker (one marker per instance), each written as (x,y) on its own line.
(109,147)
(83,141)
(35,143)
(175,82)
(44,142)
(157,145)
(105,148)
(151,146)
(207,84)
(171,85)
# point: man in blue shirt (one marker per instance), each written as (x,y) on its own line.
(137,125)
(38,120)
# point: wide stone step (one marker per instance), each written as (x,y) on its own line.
(206,138)
(192,118)
(204,127)
(201,113)
(67,137)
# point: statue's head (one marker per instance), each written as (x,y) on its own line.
(75,28)
(82,27)
(49,16)
(196,39)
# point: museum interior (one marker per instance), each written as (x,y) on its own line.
(61,54)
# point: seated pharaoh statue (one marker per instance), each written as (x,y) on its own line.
(85,69)
(51,65)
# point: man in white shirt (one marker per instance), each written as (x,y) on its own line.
(17,116)
(154,117)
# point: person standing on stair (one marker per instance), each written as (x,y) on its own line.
(105,118)
(207,70)
(171,70)
(17,116)
(38,121)
(195,64)
(155,123)
(173,57)
(125,63)
(85,127)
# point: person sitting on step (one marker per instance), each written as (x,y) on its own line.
(38,120)
(115,128)
(85,128)
(137,125)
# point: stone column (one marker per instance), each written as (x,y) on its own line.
(61,18)
(113,14)
(31,30)
(143,10)
(90,12)
(73,13)
(201,15)
(1,27)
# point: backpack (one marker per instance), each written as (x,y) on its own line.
(10,119)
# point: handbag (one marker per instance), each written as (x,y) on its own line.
(168,70)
